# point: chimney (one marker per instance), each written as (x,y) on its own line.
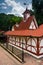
(17,25)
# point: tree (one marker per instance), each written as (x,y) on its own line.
(38,10)
(7,21)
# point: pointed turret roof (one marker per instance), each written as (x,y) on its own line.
(26,11)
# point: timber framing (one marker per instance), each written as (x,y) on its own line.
(18,44)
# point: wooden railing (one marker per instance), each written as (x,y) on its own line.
(13,51)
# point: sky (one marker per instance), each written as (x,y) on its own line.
(15,7)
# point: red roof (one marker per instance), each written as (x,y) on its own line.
(37,32)
(24,25)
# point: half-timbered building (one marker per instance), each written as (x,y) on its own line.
(28,33)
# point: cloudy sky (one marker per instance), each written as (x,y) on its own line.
(15,7)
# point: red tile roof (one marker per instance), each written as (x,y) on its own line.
(24,25)
(35,33)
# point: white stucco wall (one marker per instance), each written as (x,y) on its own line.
(13,42)
(41,51)
(24,40)
(24,46)
(21,45)
(33,50)
(34,42)
(13,38)
(17,39)
(29,42)
(32,25)
(17,43)
(29,48)
(21,40)
(27,16)
(41,42)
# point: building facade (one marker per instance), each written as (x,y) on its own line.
(28,33)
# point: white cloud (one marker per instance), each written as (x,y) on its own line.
(17,8)
(4,7)
(2,4)
(30,6)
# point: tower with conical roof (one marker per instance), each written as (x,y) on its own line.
(26,14)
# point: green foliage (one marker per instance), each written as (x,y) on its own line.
(38,10)
(7,21)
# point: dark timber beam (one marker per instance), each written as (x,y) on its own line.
(38,46)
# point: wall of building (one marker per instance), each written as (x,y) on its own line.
(29,44)
(32,25)
(41,45)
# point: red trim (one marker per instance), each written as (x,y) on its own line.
(27,45)
(35,24)
(38,46)
(41,54)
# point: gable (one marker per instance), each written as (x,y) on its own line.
(32,25)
